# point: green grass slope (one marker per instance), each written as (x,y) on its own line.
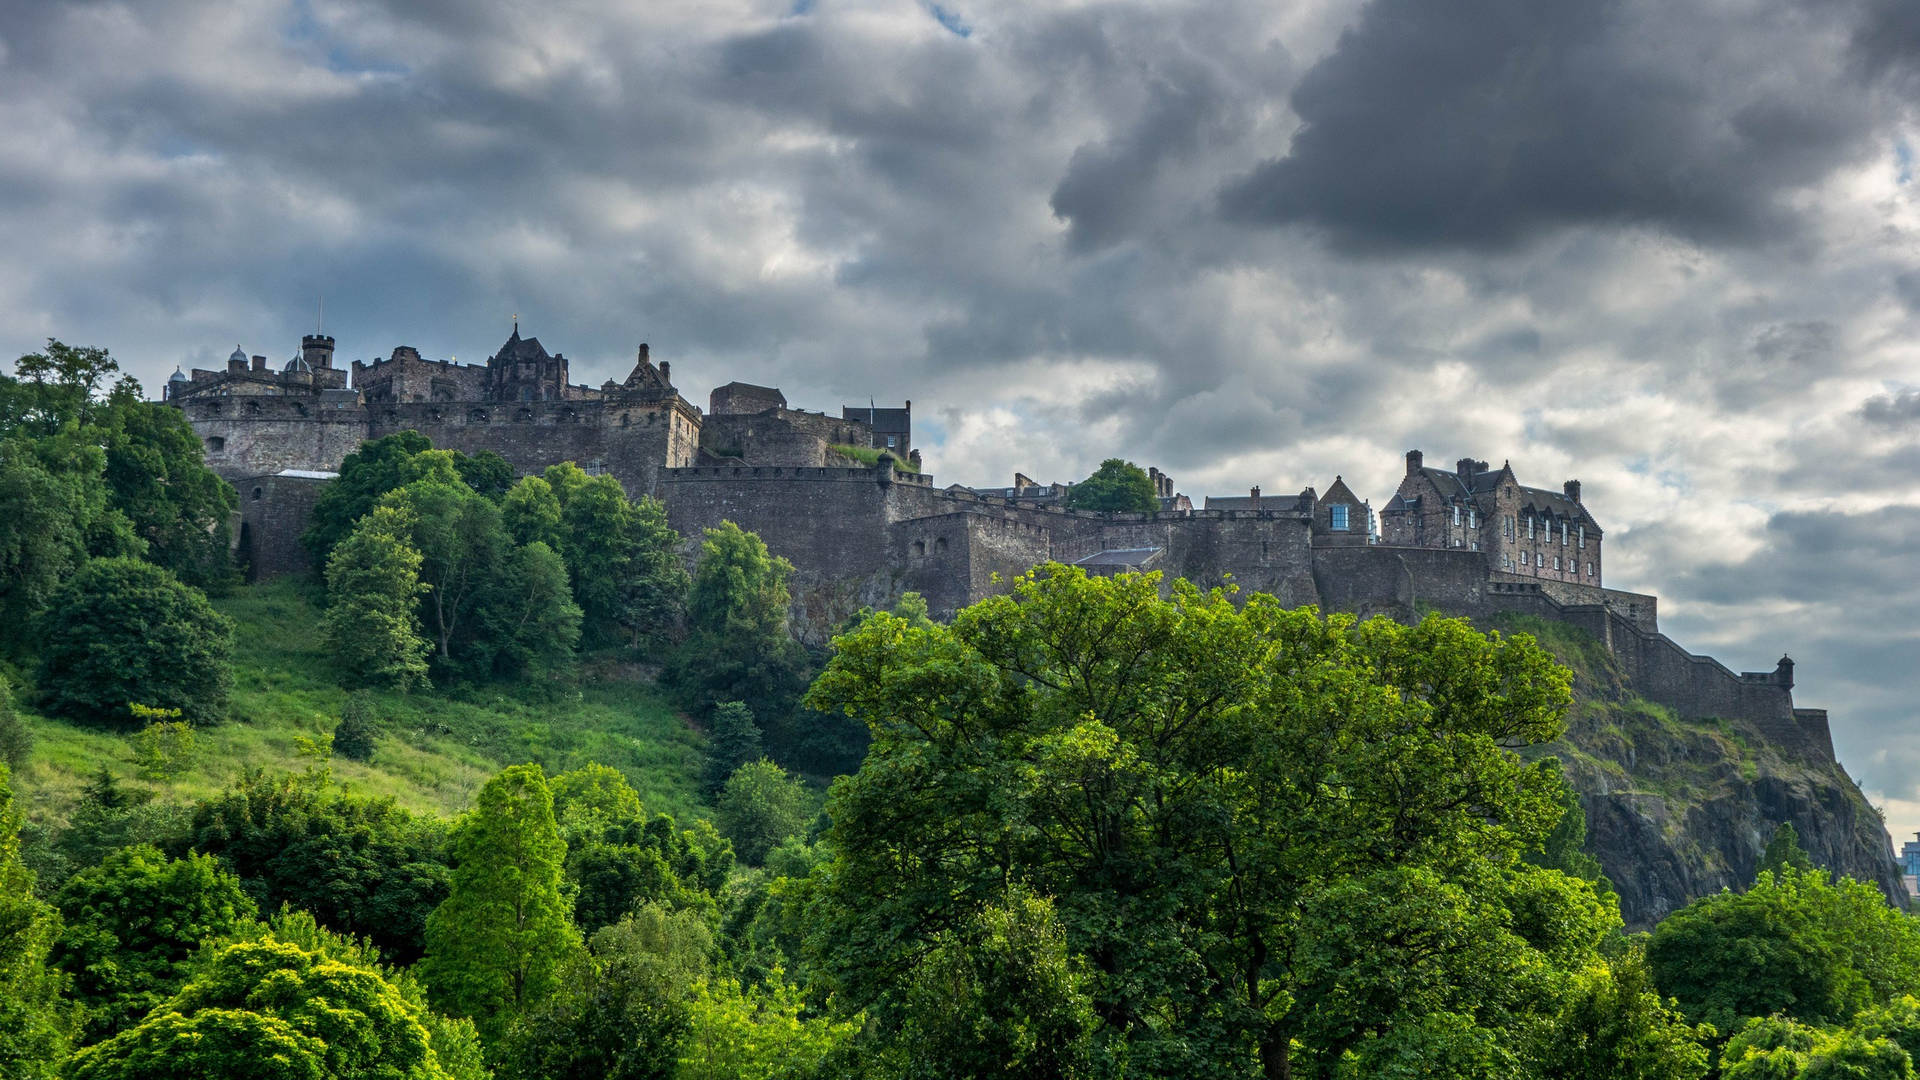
(434,751)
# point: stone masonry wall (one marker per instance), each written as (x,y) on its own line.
(267,434)
(273,513)
(629,441)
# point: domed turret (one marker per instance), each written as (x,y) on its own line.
(298,363)
(238,356)
(178,376)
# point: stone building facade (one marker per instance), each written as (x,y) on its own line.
(1528,533)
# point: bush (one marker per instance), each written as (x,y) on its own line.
(164,748)
(761,806)
(121,631)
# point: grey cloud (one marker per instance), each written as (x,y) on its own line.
(1892,410)
(1482,124)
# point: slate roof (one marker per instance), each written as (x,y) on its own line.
(895,420)
(1479,489)
(519,349)
(1120,557)
(1277,501)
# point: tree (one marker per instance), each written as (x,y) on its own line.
(16,739)
(157,476)
(734,741)
(757,1033)
(531,511)
(1616,1025)
(44,534)
(366,476)
(528,622)
(1784,852)
(486,472)
(270,1009)
(1115,485)
(353,736)
(363,866)
(738,648)
(133,921)
(622,1013)
(372,625)
(1002,997)
(68,380)
(653,597)
(497,945)
(124,631)
(35,1024)
(1269,834)
(461,544)
(1795,945)
(760,806)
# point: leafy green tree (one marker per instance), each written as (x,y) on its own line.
(1000,997)
(733,742)
(67,381)
(165,747)
(353,736)
(738,647)
(1784,852)
(624,558)
(1616,1025)
(619,858)
(760,806)
(16,739)
(531,511)
(270,1009)
(757,1033)
(131,924)
(121,631)
(528,624)
(35,1024)
(108,817)
(1115,485)
(497,945)
(48,529)
(486,472)
(372,625)
(366,476)
(461,544)
(622,1013)
(363,866)
(1272,836)
(1795,945)
(157,476)
(653,597)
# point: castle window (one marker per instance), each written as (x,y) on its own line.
(919,547)
(1556,562)
(940,544)
(1509,526)
(1456,515)
(1473,519)
(1583,538)
(1563,534)
(1529,526)
(1523,558)
(476,416)
(1339,513)
(257,493)
(216,443)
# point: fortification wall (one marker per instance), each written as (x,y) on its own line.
(1638,608)
(259,435)
(630,441)
(952,559)
(273,513)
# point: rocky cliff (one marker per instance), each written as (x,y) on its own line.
(1679,807)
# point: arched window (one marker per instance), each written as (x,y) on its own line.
(257,493)
(919,547)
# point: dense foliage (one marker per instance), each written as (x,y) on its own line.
(1115,485)
(123,632)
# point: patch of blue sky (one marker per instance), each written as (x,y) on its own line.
(801,7)
(306,31)
(1903,160)
(952,20)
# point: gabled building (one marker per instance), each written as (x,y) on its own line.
(1527,532)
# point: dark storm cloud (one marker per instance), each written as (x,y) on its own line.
(1481,124)
(1893,410)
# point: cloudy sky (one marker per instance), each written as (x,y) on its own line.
(1670,249)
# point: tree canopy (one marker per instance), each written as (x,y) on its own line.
(1115,485)
(1274,837)
(122,631)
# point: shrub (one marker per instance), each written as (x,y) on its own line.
(120,631)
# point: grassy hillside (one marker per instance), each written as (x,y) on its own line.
(435,749)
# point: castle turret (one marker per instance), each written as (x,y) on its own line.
(1414,461)
(1783,673)
(317,351)
(237,361)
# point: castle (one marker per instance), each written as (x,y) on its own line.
(845,499)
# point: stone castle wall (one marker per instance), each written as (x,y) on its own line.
(254,435)
(631,441)
(273,512)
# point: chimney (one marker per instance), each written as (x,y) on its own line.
(1256,497)
(666,372)
(1572,488)
(643,352)
(1414,458)
(909,404)
(259,363)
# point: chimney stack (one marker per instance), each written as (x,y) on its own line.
(1572,488)
(259,363)
(1256,497)
(666,372)
(643,352)
(1414,459)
